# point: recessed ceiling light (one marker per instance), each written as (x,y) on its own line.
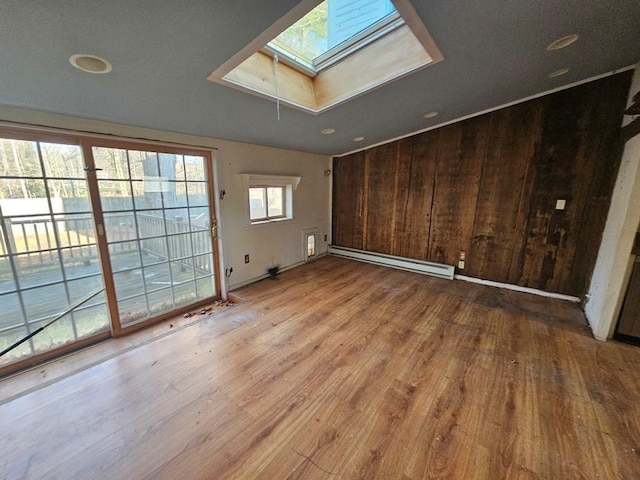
(558,73)
(562,42)
(328,131)
(90,63)
(358,139)
(430,114)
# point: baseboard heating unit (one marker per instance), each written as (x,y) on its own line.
(401,263)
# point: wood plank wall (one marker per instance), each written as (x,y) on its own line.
(488,186)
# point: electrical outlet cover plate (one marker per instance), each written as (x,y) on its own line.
(461,264)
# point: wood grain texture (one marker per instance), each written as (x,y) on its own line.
(604,152)
(371,67)
(461,152)
(577,161)
(348,196)
(489,185)
(416,216)
(257,75)
(343,370)
(403,193)
(511,145)
(382,165)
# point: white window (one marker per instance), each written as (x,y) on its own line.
(269,198)
(266,203)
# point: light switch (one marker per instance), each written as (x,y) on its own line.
(560,204)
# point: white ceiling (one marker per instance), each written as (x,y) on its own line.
(162,51)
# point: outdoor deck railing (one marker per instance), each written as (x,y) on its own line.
(35,239)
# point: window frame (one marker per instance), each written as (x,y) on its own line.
(372,33)
(289,185)
(269,217)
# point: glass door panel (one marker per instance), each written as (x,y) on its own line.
(48,254)
(157,227)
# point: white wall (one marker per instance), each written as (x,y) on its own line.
(610,273)
(276,243)
(279,243)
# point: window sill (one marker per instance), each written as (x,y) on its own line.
(269,222)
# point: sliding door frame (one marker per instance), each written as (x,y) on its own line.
(86,142)
(87,145)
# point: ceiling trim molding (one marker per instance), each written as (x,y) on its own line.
(489,110)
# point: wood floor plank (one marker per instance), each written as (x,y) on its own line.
(341,370)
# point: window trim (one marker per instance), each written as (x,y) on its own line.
(290,184)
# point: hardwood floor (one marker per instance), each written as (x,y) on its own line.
(344,370)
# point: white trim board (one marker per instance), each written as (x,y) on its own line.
(517,288)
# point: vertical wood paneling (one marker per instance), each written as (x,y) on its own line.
(348,195)
(416,217)
(459,166)
(605,150)
(511,146)
(382,186)
(579,135)
(489,185)
(403,183)
(548,229)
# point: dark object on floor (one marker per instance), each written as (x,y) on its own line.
(273,272)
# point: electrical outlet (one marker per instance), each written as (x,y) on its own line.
(561,204)
(246,258)
(461,264)
(325,238)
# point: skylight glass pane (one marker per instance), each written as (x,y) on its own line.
(330,24)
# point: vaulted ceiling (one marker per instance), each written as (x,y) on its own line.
(162,51)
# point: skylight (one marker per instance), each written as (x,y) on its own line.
(334,27)
(320,55)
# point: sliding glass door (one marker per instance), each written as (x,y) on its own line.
(138,225)
(158,229)
(48,254)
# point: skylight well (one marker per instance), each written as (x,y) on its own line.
(338,50)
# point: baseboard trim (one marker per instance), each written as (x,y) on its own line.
(517,288)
